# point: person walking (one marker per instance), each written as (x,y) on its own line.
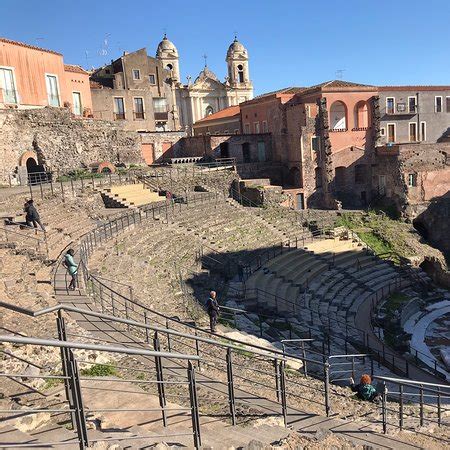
(72,268)
(212,306)
(32,216)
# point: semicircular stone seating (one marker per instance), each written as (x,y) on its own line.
(322,286)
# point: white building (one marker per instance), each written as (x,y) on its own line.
(207,94)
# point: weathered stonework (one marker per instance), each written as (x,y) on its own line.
(61,142)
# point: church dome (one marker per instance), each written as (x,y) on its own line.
(166,48)
(236,47)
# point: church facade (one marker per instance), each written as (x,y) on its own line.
(207,94)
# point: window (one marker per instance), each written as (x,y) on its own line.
(119,108)
(412,104)
(240,69)
(51,82)
(247,128)
(412,132)
(77,108)
(136,74)
(412,180)
(360,174)
(138,108)
(308,110)
(438,104)
(423,131)
(382,131)
(261,151)
(338,116)
(152,78)
(447,102)
(265,128)
(159,105)
(315,143)
(339,176)
(390,105)
(391,132)
(256,127)
(169,67)
(209,110)
(7,85)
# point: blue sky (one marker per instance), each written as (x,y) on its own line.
(291,43)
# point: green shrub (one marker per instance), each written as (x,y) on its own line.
(99,370)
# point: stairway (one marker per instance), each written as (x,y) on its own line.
(129,196)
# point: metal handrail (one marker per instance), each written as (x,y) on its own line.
(104,348)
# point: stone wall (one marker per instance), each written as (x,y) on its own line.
(58,141)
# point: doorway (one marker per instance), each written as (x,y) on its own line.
(300,201)
(246,152)
(224,150)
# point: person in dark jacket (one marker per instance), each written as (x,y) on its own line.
(364,390)
(32,216)
(212,306)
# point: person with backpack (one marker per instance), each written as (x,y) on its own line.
(212,307)
(32,216)
(72,268)
(364,390)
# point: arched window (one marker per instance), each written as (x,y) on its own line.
(209,110)
(169,67)
(361,115)
(240,68)
(360,173)
(338,116)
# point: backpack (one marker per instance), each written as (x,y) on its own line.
(367,391)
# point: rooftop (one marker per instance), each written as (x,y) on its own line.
(226,113)
(414,88)
(33,47)
(74,68)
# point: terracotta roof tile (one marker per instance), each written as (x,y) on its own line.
(225,113)
(33,47)
(75,69)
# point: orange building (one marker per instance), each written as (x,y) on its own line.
(33,77)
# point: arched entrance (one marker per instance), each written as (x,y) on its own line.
(30,169)
(246,152)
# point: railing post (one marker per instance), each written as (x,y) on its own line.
(400,408)
(159,379)
(78,401)
(421,405)
(384,407)
(197,349)
(146,330)
(194,407)
(231,398)
(277,378)
(60,325)
(326,372)
(283,392)
(439,406)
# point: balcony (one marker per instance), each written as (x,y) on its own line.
(360,128)
(337,130)
(402,109)
(139,115)
(161,115)
(119,116)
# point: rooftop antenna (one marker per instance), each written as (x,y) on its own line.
(104,50)
(340,74)
(86,55)
(205,57)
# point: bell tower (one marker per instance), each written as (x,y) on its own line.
(237,62)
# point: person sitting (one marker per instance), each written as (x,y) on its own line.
(364,390)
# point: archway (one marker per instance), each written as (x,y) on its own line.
(338,116)
(106,167)
(361,115)
(31,169)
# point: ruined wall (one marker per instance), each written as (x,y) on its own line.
(427,164)
(62,142)
(165,144)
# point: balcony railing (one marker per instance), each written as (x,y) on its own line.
(160,115)
(401,109)
(338,130)
(119,116)
(139,115)
(360,128)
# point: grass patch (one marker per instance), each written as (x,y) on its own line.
(51,383)
(394,302)
(99,370)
